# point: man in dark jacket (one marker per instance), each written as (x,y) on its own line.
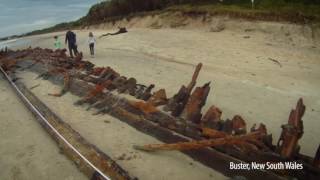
(72,42)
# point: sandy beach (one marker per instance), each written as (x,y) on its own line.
(239,63)
(27,151)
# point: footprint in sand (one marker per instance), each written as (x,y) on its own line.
(16,173)
(30,150)
(20,155)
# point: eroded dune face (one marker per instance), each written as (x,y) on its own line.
(281,31)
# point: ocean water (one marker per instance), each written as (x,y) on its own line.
(21,16)
(12,43)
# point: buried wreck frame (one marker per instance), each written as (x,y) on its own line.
(156,123)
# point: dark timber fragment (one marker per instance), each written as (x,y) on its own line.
(292,132)
(177,103)
(238,125)
(147,93)
(128,86)
(194,78)
(192,110)
(158,98)
(212,118)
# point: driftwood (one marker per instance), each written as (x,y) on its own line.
(275,61)
(120,31)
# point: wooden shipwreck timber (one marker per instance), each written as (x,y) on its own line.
(177,121)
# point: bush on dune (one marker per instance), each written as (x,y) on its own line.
(125,7)
(114,8)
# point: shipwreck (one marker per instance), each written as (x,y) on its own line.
(177,121)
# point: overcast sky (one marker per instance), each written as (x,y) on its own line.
(21,16)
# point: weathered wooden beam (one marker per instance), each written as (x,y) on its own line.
(192,110)
(194,78)
(212,133)
(177,103)
(292,132)
(212,118)
(230,140)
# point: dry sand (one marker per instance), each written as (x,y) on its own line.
(27,152)
(236,60)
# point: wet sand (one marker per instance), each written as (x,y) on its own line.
(27,152)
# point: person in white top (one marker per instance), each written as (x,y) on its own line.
(91,42)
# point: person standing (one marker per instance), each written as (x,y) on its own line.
(72,43)
(57,43)
(91,42)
